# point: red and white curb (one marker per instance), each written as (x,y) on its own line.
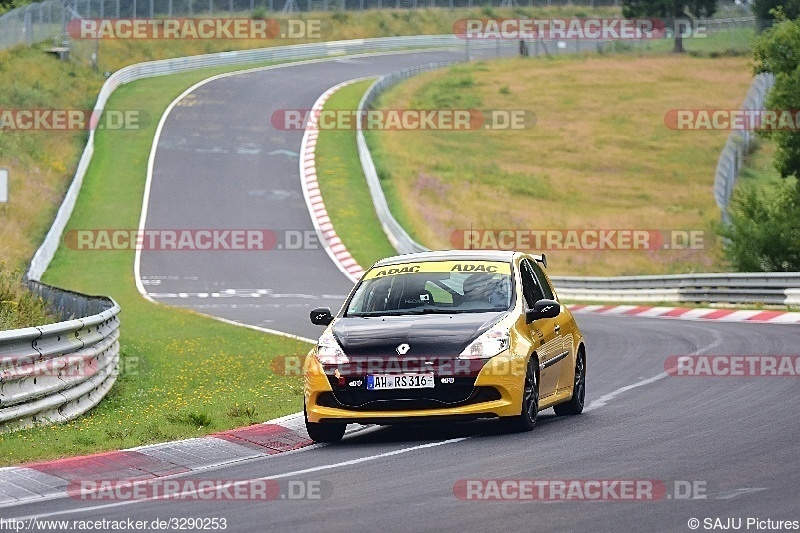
(685,313)
(316,206)
(51,479)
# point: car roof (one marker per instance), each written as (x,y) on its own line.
(450,255)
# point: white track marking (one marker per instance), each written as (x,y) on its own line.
(604,399)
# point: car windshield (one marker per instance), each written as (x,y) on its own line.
(433,287)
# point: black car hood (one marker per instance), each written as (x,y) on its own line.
(428,336)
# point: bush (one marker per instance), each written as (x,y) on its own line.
(764,233)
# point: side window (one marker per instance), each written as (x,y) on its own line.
(530,287)
(546,289)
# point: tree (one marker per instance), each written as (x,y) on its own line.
(671,11)
(762,9)
(6,5)
(764,233)
(777,50)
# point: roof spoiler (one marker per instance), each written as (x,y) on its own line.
(541,259)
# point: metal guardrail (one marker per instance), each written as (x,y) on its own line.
(400,239)
(56,372)
(774,288)
(764,288)
(739,143)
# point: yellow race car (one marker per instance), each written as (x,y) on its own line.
(445,335)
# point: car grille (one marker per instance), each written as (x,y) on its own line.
(451,395)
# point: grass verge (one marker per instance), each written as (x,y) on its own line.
(342,184)
(19,308)
(182,374)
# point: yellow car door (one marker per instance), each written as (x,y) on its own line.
(545,334)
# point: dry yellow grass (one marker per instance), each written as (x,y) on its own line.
(600,155)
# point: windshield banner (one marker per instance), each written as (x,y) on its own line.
(467,267)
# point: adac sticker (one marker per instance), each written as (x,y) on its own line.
(467,267)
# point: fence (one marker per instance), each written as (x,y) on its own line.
(400,239)
(773,288)
(739,143)
(56,372)
(43,21)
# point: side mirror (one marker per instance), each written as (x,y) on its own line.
(543,309)
(321,316)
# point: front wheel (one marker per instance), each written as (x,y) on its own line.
(575,405)
(526,420)
(324,432)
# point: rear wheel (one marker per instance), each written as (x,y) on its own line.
(324,432)
(575,405)
(526,420)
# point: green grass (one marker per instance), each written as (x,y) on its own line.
(733,41)
(343,187)
(759,168)
(40,163)
(183,374)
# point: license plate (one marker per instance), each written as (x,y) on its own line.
(400,381)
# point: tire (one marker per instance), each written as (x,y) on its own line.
(324,432)
(526,420)
(575,405)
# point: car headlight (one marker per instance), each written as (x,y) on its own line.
(487,345)
(329,352)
